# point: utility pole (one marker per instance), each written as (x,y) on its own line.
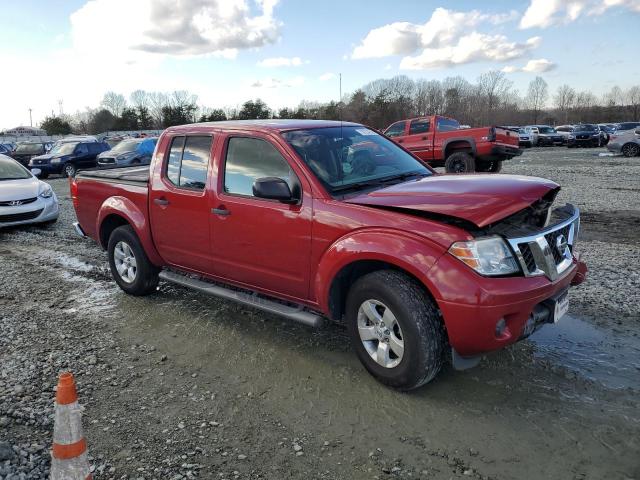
(60,106)
(30,118)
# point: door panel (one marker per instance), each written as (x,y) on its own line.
(179,203)
(258,242)
(419,139)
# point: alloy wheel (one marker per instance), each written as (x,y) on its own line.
(125,261)
(380,333)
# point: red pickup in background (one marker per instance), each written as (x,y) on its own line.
(441,142)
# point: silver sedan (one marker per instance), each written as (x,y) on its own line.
(23,198)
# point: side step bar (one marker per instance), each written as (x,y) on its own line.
(295,313)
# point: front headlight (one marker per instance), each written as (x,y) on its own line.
(45,191)
(572,136)
(488,256)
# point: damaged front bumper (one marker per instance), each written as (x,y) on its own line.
(483,314)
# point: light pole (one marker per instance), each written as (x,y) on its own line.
(30,119)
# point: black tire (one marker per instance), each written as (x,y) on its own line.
(631,150)
(460,162)
(146,276)
(43,176)
(68,170)
(493,166)
(422,330)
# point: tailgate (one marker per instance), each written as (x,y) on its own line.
(507,136)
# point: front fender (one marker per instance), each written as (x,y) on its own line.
(128,210)
(409,252)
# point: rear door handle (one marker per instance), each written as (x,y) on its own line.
(423,138)
(400,141)
(221,211)
(163,202)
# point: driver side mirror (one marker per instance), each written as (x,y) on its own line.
(273,188)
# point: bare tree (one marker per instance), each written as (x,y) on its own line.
(537,96)
(114,102)
(564,100)
(633,100)
(492,86)
(139,99)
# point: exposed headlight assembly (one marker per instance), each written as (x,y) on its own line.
(45,191)
(488,256)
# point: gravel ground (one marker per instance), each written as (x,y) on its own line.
(179,386)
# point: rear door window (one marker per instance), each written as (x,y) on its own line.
(419,126)
(188,161)
(447,125)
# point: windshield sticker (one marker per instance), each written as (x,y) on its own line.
(365,131)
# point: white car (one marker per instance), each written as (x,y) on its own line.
(23,198)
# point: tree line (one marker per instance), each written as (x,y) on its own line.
(490,100)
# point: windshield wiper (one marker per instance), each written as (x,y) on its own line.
(379,181)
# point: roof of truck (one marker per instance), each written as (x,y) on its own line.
(269,125)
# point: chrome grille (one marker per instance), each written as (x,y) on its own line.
(549,252)
(17,203)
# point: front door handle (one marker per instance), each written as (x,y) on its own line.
(221,211)
(163,202)
(400,141)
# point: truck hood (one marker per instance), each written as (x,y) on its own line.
(481,199)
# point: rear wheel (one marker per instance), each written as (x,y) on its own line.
(631,149)
(129,264)
(395,329)
(69,170)
(460,162)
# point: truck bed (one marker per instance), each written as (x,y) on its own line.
(137,174)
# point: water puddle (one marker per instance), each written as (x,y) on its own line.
(604,357)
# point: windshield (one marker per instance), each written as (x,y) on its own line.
(126,146)
(30,148)
(352,158)
(12,170)
(546,130)
(584,128)
(63,149)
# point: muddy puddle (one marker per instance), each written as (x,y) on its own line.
(601,356)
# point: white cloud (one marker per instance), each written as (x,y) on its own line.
(281,62)
(544,13)
(277,83)
(533,66)
(474,47)
(327,76)
(196,27)
(448,38)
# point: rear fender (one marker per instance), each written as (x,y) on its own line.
(129,211)
(411,253)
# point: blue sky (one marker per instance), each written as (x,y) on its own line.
(226,51)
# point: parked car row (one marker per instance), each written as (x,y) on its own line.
(579,135)
(68,155)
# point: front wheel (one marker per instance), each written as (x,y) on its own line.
(129,264)
(395,329)
(630,150)
(460,162)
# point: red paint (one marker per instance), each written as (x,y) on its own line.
(295,251)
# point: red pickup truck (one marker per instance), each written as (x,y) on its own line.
(317,220)
(441,142)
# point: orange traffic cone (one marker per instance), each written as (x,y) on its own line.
(69,454)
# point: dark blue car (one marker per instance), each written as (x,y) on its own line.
(67,158)
(131,151)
